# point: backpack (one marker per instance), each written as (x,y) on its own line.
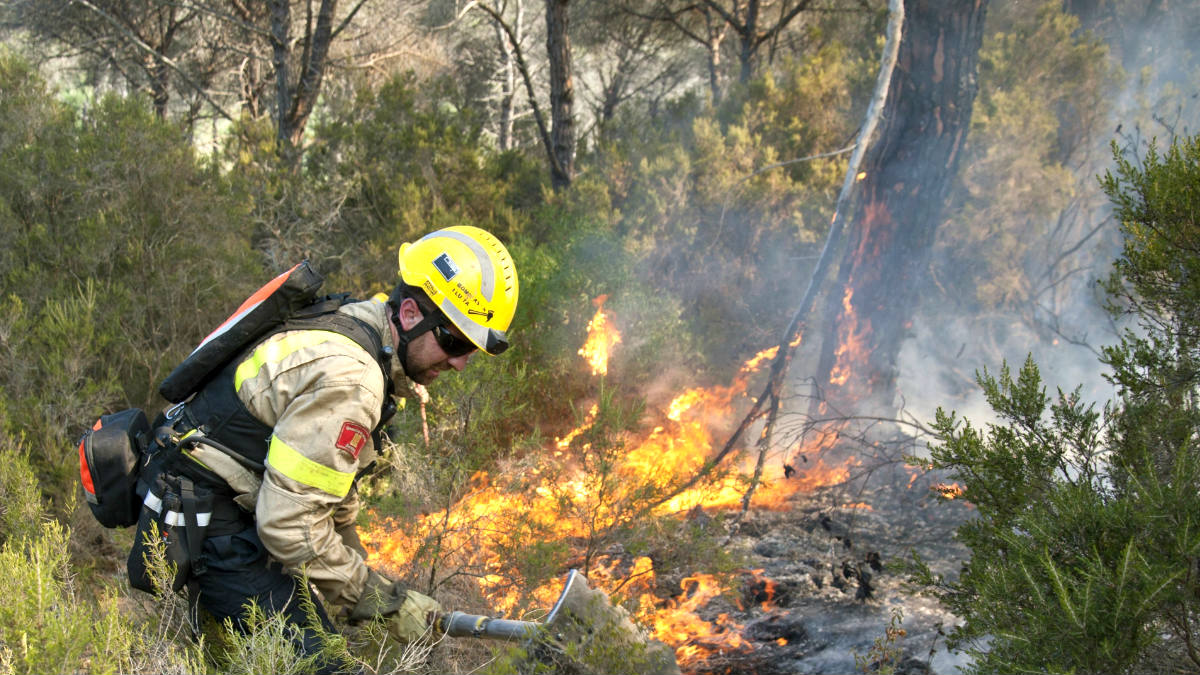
(115,450)
(110,457)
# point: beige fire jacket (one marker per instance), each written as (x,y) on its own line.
(322,394)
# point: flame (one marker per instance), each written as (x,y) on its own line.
(557,504)
(852,341)
(948,490)
(565,442)
(602,337)
(678,624)
(757,360)
(684,402)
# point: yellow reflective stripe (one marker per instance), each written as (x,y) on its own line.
(289,462)
(276,350)
(187,454)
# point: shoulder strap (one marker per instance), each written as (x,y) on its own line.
(324,316)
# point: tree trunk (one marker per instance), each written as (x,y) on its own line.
(281,24)
(160,85)
(562,95)
(904,181)
(749,41)
(508,77)
(295,101)
(715,35)
(312,71)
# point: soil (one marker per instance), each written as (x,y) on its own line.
(833,582)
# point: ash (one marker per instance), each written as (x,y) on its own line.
(834,586)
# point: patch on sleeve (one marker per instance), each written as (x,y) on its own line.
(353,438)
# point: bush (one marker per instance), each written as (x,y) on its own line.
(48,623)
(120,250)
(1084,555)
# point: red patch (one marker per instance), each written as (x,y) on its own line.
(353,438)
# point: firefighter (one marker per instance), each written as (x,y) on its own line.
(309,402)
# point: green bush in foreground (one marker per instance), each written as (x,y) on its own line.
(1085,555)
(49,623)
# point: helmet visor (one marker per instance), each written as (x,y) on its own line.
(497,342)
(490,340)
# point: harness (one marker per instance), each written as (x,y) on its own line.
(221,416)
(180,492)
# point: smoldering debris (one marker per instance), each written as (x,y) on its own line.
(821,591)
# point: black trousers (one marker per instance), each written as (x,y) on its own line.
(237,571)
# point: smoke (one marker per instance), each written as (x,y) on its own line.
(1150,93)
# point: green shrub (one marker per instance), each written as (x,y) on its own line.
(49,623)
(1083,557)
(120,250)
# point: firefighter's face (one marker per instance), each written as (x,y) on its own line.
(426,358)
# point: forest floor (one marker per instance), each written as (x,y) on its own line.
(827,587)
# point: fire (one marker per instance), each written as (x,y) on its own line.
(683,403)
(678,623)
(577,493)
(602,337)
(757,360)
(565,442)
(948,490)
(852,340)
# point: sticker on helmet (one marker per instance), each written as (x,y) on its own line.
(446,266)
(352,438)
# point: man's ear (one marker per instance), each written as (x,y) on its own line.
(410,313)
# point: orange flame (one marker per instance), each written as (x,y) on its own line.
(948,490)
(852,341)
(602,337)
(565,442)
(678,623)
(557,503)
(757,360)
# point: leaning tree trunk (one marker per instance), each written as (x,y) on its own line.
(562,96)
(898,205)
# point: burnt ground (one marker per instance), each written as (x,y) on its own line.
(834,585)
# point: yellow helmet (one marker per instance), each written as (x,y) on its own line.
(470,277)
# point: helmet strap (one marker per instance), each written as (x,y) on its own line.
(404,337)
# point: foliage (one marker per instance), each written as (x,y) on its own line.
(885,654)
(1025,200)
(711,200)
(113,235)
(416,162)
(49,624)
(268,643)
(1083,557)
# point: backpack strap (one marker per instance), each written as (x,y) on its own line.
(323,315)
(224,420)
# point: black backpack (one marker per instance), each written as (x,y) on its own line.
(113,452)
(110,457)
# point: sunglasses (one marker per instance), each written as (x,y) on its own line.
(450,343)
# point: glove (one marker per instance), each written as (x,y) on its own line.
(412,621)
(408,613)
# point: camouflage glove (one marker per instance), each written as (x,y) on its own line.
(408,613)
